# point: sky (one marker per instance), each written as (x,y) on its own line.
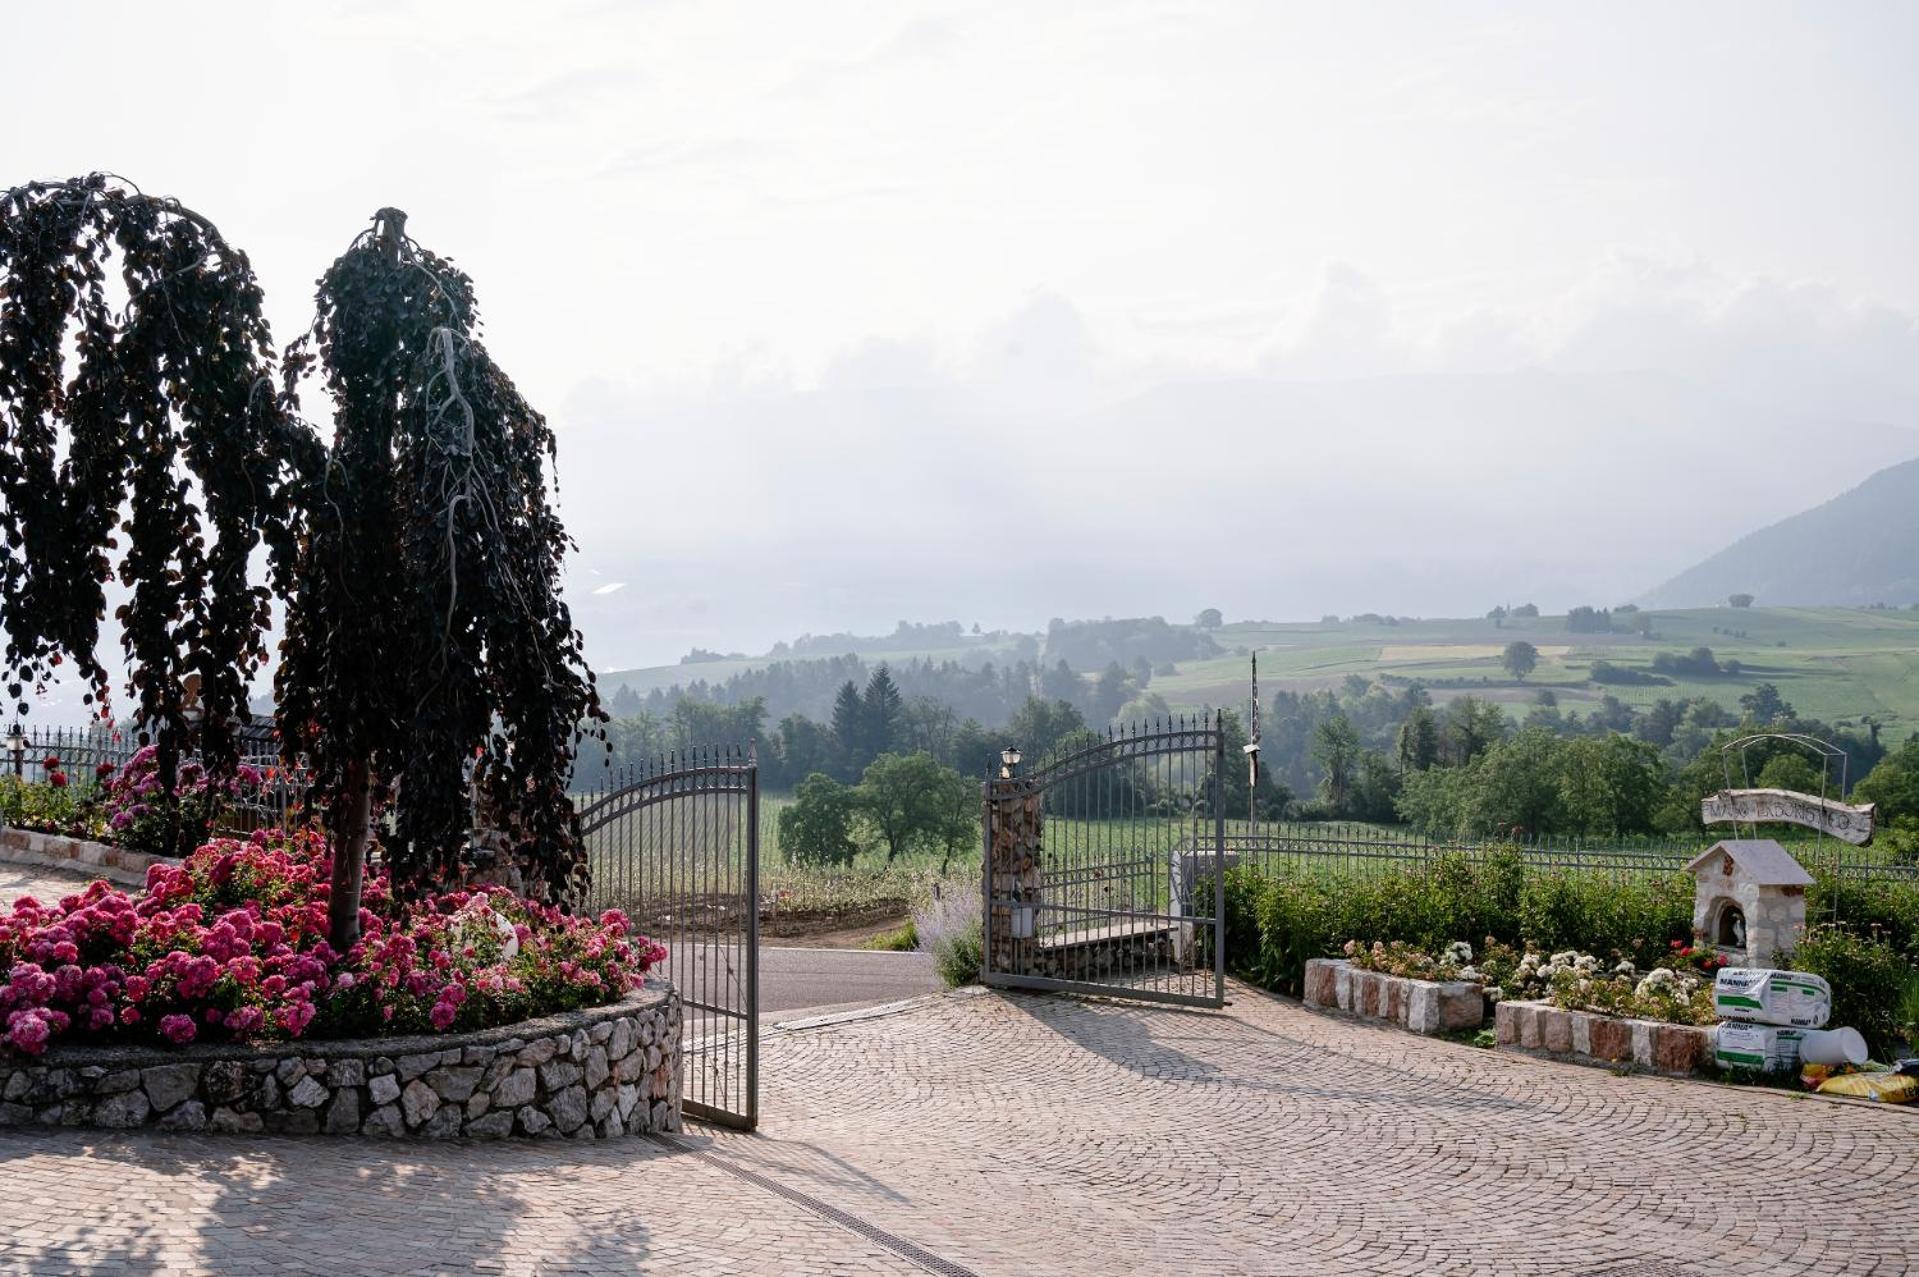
(853,312)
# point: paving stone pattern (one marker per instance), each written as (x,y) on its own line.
(1031,1134)
(40,881)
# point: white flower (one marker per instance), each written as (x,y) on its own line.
(1626,968)
(1565,957)
(1586,962)
(1469,972)
(1459,952)
(1660,980)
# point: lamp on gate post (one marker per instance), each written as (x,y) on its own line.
(17,747)
(1008,762)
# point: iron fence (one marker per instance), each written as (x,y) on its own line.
(1357,850)
(273,796)
(1076,890)
(675,844)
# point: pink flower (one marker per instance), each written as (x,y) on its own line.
(178,1029)
(295,1016)
(28,1031)
(245,1020)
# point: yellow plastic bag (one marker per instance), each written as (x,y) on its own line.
(1887,1088)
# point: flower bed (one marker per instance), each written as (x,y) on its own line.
(230,945)
(1587,1037)
(1423,1006)
(1574,981)
(599,1073)
(128,805)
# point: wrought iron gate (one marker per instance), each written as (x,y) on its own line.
(676,844)
(1101,865)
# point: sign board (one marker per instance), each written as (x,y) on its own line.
(1845,821)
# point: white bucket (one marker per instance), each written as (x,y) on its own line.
(1832,1046)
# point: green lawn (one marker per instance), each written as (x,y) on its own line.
(1836,664)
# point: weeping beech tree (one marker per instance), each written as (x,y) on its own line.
(415,549)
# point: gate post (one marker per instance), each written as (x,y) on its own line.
(1014,826)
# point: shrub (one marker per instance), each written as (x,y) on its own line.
(948,929)
(1885,907)
(71,809)
(231,945)
(141,816)
(1638,915)
(1300,913)
(1871,981)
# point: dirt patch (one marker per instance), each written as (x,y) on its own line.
(834,928)
(849,938)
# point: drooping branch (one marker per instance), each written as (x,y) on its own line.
(171,438)
(461,642)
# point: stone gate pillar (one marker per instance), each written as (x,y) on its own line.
(1014,821)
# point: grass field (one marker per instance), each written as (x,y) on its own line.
(1831,663)
(1835,664)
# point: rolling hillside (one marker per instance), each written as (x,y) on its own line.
(1836,664)
(1860,548)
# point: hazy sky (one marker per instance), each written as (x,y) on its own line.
(843,310)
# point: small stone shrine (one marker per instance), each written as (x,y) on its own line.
(1749,900)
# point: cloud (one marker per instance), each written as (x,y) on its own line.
(612,588)
(920,40)
(722,153)
(1804,344)
(560,98)
(1347,331)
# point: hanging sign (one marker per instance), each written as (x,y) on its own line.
(1845,821)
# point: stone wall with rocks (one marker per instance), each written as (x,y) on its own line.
(1424,1006)
(1585,1037)
(599,1073)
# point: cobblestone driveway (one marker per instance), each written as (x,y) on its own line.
(1038,1135)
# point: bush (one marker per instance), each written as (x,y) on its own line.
(1871,979)
(65,808)
(231,946)
(948,929)
(1887,907)
(140,816)
(1298,913)
(1638,916)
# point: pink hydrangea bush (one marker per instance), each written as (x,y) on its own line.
(231,946)
(138,813)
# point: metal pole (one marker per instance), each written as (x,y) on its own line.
(1219,860)
(986,878)
(752,935)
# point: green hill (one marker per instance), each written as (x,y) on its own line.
(1858,549)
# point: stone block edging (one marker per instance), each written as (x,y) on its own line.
(77,855)
(593,1074)
(1423,1006)
(1586,1037)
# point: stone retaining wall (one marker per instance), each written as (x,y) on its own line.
(1424,1006)
(1585,1037)
(599,1073)
(77,855)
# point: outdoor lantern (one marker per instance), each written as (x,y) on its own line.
(1009,759)
(1021,918)
(17,746)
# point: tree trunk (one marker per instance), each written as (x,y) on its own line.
(349,858)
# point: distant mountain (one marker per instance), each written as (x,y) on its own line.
(1860,548)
